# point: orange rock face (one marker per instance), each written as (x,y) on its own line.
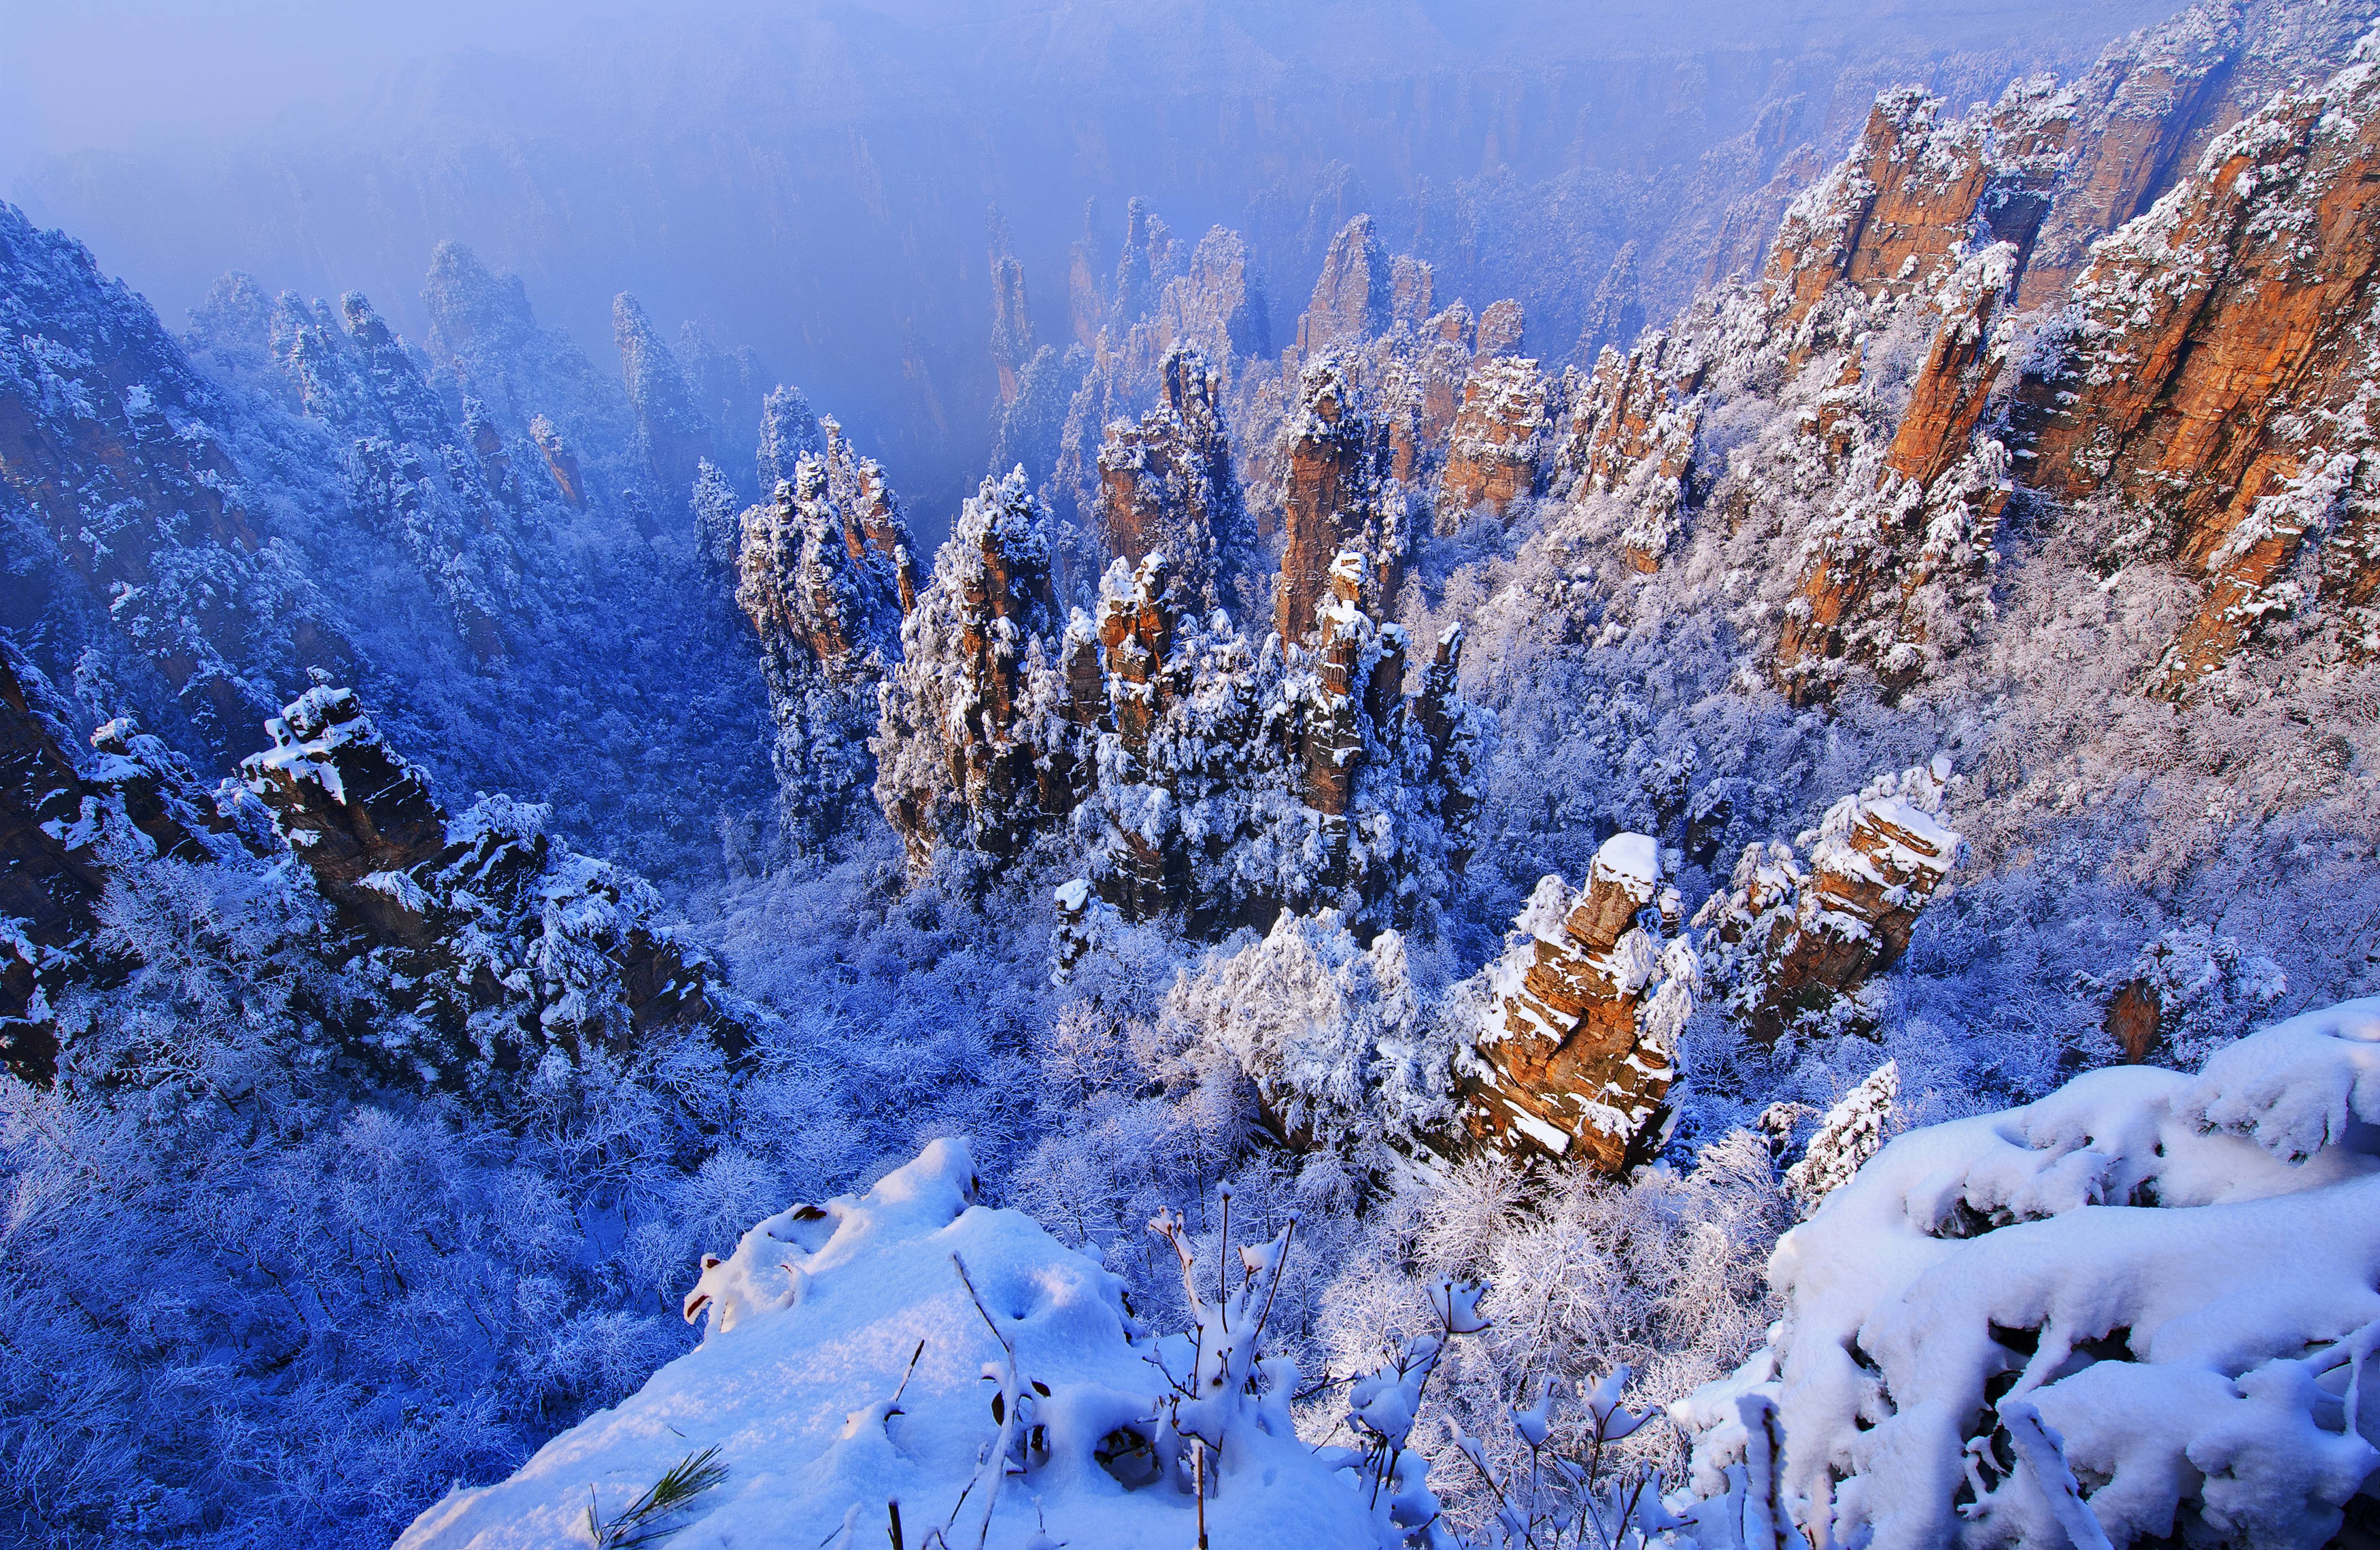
(1630,428)
(1948,397)
(954,756)
(559,462)
(1789,943)
(2134,122)
(1891,215)
(1499,440)
(1909,544)
(1421,391)
(1167,485)
(1574,1060)
(2220,372)
(1335,458)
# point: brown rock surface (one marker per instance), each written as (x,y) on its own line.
(64,820)
(1890,214)
(559,462)
(353,809)
(1788,942)
(1909,545)
(1574,1060)
(1628,430)
(1499,440)
(2220,370)
(1947,399)
(953,748)
(1167,485)
(1334,462)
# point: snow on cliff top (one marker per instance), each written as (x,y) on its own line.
(813,1321)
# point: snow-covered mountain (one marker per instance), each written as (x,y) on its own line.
(1815,842)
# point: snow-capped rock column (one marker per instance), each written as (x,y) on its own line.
(1167,485)
(1573,1056)
(1330,486)
(1790,944)
(956,742)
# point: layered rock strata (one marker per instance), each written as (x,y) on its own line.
(1627,434)
(1339,494)
(1574,1053)
(955,747)
(2220,376)
(1792,944)
(492,941)
(1211,775)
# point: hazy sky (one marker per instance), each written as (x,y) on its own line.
(115,75)
(811,178)
(119,75)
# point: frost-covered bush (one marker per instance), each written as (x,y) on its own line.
(1663,1273)
(1332,1034)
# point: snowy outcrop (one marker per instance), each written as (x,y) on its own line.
(494,943)
(446,492)
(825,574)
(2140,1309)
(361,813)
(66,818)
(1355,296)
(2189,991)
(788,430)
(1234,779)
(1167,486)
(1628,438)
(1791,942)
(1574,1045)
(909,1357)
(1207,773)
(672,428)
(1849,1135)
(550,401)
(1617,314)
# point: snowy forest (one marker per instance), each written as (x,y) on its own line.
(1671,841)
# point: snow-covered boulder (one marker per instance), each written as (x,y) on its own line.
(848,1366)
(2150,1300)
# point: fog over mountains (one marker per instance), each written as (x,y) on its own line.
(1393,777)
(813,180)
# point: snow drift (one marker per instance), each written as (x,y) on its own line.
(2150,1297)
(805,1384)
